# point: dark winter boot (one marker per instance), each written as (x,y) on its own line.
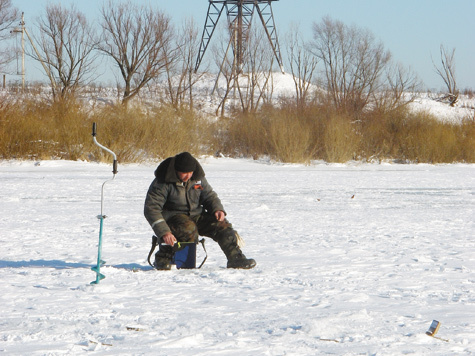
(240,261)
(227,240)
(163,258)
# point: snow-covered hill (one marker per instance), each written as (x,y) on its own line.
(209,90)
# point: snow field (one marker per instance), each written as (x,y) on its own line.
(353,259)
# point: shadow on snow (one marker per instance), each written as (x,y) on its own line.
(57,264)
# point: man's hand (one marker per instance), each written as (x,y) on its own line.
(169,239)
(219,215)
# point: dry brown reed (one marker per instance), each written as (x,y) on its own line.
(36,130)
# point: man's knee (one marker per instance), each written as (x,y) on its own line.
(184,228)
(226,234)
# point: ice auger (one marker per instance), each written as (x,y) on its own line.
(101,217)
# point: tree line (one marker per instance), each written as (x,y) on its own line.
(351,68)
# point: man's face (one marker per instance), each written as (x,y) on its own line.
(184,176)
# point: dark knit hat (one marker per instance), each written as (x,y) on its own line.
(184,162)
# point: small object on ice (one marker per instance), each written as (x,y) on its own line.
(331,340)
(99,343)
(434,328)
(133,328)
(353,196)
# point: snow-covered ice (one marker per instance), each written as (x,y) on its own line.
(353,259)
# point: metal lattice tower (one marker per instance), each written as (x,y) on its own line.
(240,14)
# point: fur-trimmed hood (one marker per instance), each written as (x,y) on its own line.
(166,173)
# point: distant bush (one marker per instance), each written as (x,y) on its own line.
(469,92)
(242,134)
(279,133)
(416,137)
(40,130)
(136,134)
(290,139)
(291,134)
(62,130)
(342,142)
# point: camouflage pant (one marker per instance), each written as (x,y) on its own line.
(188,229)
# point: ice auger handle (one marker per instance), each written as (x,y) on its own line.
(114,167)
(114,164)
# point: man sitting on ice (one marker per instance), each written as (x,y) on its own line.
(181,205)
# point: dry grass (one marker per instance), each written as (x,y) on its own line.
(341,140)
(136,135)
(33,130)
(62,130)
(243,134)
(416,137)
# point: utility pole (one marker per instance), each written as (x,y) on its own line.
(23,30)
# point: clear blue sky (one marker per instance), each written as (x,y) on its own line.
(412,30)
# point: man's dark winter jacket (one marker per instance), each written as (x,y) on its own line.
(168,196)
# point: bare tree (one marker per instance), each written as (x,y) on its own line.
(353,63)
(302,66)
(180,74)
(225,64)
(8,16)
(251,85)
(447,72)
(66,46)
(401,88)
(254,83)
(135,37)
